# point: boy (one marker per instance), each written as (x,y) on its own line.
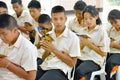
(35,8)
(21,55)
(21,16)
(64,48)
(45,23)
(3,8)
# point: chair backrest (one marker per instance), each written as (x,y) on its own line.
(71,74)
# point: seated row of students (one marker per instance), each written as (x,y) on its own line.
(113,58)
(93,38)
(113,33)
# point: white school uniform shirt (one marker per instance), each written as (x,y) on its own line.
(74,25)
(114,34)
(100,38)
(24,17)
(22,53)
(67,42)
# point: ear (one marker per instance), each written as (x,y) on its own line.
(39,9)
(15,30)
(65,18)
(50,20)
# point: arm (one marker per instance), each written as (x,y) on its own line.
(45,55)
(71,61)
(115,45)
(16,69)
(22,29)
(92,46)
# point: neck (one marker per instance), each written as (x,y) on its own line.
(15,39)
(91,27)
(19,14)
(59,32)
(79,21)
(36,19)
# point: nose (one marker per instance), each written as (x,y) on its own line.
(58,21)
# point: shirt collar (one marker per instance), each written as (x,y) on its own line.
(18,41)
(95,29)
(64,34)
(22,14)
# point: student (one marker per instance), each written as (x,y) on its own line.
(35,8)
(64,48)
(113,59)
(20,61)
(31,31)
(45,23)
(46,26)
(21,16)
(95,47)
(3,8)
(77,23)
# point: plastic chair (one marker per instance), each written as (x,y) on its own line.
(71,74)
(100,72)
(118,74)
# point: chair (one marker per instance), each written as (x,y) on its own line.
(71,74)
(118,74)
(100,72)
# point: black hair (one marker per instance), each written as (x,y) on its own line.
(3,4)
(94,12)
(80,5)
(16,1)
(57,9)
(34,4)
(7,21)
(114,14)
(44,18)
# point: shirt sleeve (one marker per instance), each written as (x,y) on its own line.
(75,47)
(29,59)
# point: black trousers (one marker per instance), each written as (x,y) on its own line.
(112,60)
(53,74)
(85,69)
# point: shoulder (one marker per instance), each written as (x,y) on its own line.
(72,35)
(27,44)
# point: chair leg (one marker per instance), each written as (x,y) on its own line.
(118,74)
(102,76)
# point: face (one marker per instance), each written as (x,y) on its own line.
(116,23)
(90,20)
(45,26)
(7,35)
(28,26)
(3,10)
(78,14)
(17,8)
(34,12)
(58,20)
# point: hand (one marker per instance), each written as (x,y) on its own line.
(3,62)
(83,41)
(47,45)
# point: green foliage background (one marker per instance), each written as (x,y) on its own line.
(114,2)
